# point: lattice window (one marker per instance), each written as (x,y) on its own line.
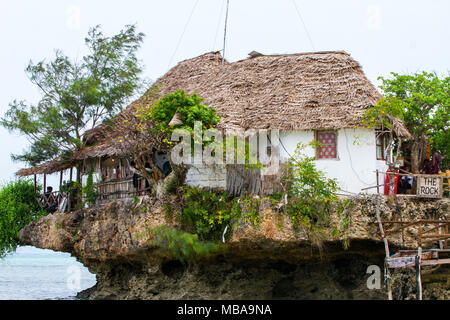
(328,150)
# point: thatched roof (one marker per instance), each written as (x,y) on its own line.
(324,90)
(307,91)
(46,168)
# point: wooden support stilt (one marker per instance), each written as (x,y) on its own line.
(387,279)
(60,180)
(418,276)
(378,182)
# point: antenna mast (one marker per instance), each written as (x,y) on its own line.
(225,34)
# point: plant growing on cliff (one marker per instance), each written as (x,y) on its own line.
(308,193)
(206,212)
(18,207)
(181,245)
(252,215)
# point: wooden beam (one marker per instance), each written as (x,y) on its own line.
(434,228)
(401,262)
(407,261)
(45,183)
(436,235)
(401,227)
(417,221)
(435,262)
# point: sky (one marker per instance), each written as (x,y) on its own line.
(403,36)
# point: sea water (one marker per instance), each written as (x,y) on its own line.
(35,274)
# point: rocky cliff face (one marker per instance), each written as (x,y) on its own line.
(273,261)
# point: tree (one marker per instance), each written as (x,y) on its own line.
(147,131)
(18,207)
(422,102)
(76,95)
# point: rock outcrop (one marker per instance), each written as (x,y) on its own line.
(273,261)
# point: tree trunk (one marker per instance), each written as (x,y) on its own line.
(418,153)
(415,155)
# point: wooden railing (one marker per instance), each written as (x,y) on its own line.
(118,189)
(427,230)
(55,201)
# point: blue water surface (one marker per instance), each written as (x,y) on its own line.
(36,274)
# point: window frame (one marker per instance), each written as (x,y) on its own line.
(316,137)
(381,136)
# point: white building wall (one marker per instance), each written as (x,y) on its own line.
(354,167)
(356,161)
(207,176)
(96,177)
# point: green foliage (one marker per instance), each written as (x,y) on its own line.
(76,94)
(90,193)
(441,141)
(189,107)
(168,211)
(207,212)
(422,101)
(182,245)
(252,211)
(18,207)
(72,187)
(342,225)
(310,193)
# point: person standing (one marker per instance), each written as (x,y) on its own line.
(436,161)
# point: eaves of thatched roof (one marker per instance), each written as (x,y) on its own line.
(46,168)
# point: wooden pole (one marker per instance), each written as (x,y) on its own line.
(378,182)
(397,205)
(45,183)
(60,180)
(386,248)
(418,277)
(446,240)
(225,33)
(35,184)
(71,173)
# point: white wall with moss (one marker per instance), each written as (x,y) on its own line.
(356,162)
